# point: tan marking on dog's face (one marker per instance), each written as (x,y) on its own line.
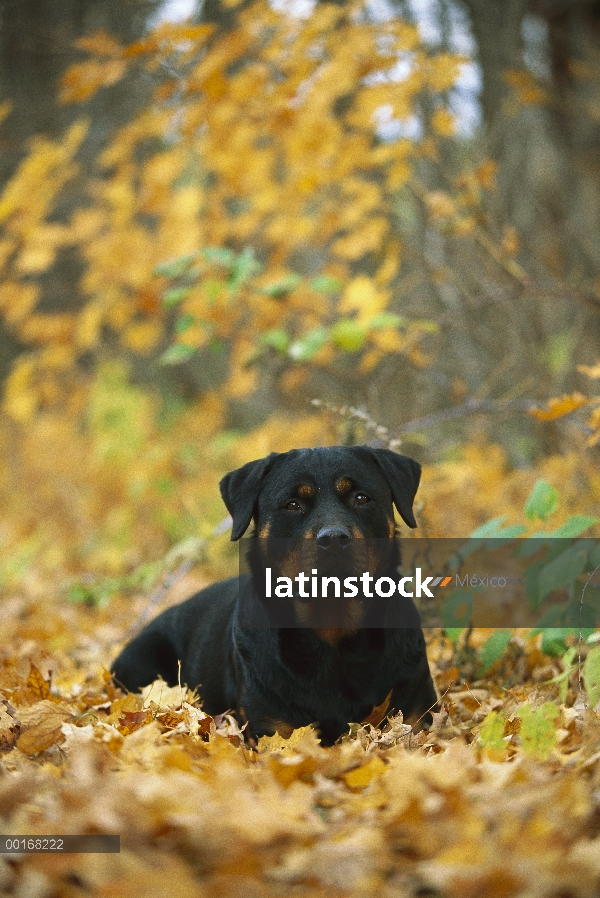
(264,530)
(302,612)
(344,485)
(391,528)
(302,558)
(305,491)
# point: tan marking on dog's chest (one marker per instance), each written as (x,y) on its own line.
(332,635)
(284,729)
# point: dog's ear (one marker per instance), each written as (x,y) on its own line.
(240,489)
(403,475)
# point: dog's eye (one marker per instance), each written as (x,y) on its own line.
(293,506)
(361,499)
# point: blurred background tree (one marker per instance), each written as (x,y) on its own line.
(206,224)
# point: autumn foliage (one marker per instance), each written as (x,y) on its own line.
(245,244)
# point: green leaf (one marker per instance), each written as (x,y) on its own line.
(591,676)
(532,583)
(453,633)
(490,528)
(574,526)
(531,545)
(563,570)
(538,729)
(493,649)
(348,335)
(306,347)
(510,532)
(491,735)
(562,680)
(175,267)
(276,339)
(542,501)
(177,354)
(387,319)
(554,640)
(243,267)
(594,558)
(219,255)
(282,288)
(184,323)
(457,610)
(325,284)
(172,297)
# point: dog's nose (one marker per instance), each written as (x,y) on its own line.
(333,538)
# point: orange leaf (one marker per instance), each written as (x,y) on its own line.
(37,684)
(41,725)
(378,713)
(129,721)
(559,407)
(101,43)
(80,82)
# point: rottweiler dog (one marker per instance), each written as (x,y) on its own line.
(330,662)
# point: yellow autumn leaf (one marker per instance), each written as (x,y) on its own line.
(17,300)
(241,382)
(388,340)
(89,322)
(527,90)
(485,174)
(35,258)
(510,241)
(559,407)
(390,266)
(142,336)
(44,328)
(443,70)
(101,44)
(398,173)
(41,726)
(5,109)
(7,248)
(287,768)
(366,238)
(443,123)
(20,394)
(362,776)
(37,685)
(440,204)
(57,356)
(81,81)
(362,296)
(592,371)
(594,422)
(370,359)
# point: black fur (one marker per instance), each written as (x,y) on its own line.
(288,677)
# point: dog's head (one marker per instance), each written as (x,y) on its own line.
(303,492)
(330,508)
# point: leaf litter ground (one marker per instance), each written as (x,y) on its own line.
(501,797)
